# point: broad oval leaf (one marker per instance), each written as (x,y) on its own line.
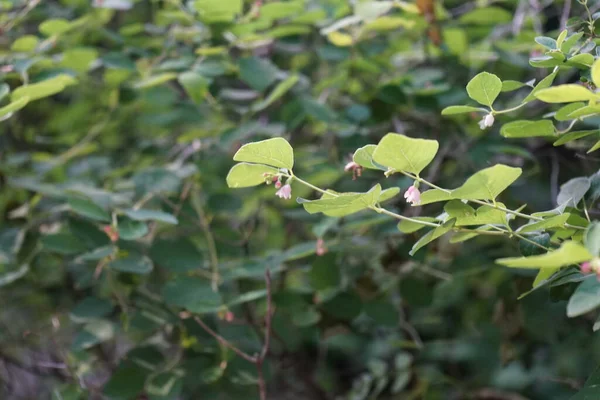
(488,183)
(276,152)
(452,110)
(569,253)
(89,209)
(133,264)
(43,89)
(525,128)
(403,153)
(246,175)
(566,94)
(585,298)
(343,204)
(484,88)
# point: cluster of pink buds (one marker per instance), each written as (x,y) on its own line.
(284,191)
(592,266)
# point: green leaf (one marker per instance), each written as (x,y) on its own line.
(55,27)
(176,255)
(388,23)
(569,253)
(561,38)
(484,88)
(432,235)
(258,73)
(585,298)
(566,94)
(63,243)
(276,152)
(547,42)
(587,393)
(543,84)
(87,208)
(130,229)
(594,147)
(25,44)
(552,222)
(343,204)
(526,128)
(467,215)
(278,10)
(435,195)
(571,136)
(595,72)
(282,88)
(245,175)
(585,111)
(403,153)
(14,106)
(529,249)
(509,85)
(581,61)
(364,158)
(307,317)
(388,194)
(91,308)
(591,239)
(195,85)
(452,110)
(43,89)
(134,264)
(215,11)
(407,226)
(562,114)
(486,16)
(369,10)
(572,191)
(544,62)
(570,42)
(155,80)
(126,382)
(193,294)
(151,215)
(488,183)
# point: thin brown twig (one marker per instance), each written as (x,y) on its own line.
(257,359)
(225,342)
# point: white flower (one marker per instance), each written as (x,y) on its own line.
(487,121)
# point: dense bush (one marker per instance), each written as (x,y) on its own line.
(151,152)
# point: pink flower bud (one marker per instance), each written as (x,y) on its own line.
(586,267)
(413,196)
(285,192)
(277,184)
(321,249)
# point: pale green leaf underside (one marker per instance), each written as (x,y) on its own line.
(569,253)
(343,204)
(566,94)
(403,153)
(467,215)
(246,175)
(432,235)
(486,184)
(276,152)
(364,157)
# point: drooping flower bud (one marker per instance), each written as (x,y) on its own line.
(285,192)
(413,196)
(321,249)
(487,121)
